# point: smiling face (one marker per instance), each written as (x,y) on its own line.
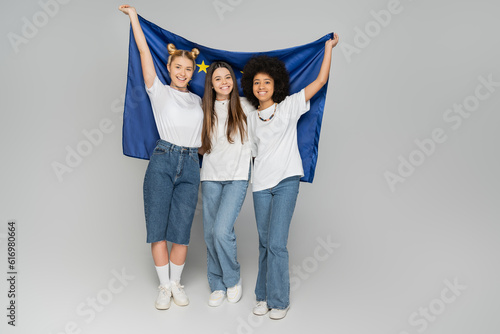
(222,81)
(263,89)
(181,71)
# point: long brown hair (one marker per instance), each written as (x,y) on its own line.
(236,120)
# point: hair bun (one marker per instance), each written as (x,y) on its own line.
(171,48)
(195,52)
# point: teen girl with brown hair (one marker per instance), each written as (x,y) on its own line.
(224,178)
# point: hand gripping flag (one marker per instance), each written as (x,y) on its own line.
(139,127)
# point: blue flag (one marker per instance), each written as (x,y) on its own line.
(139,127)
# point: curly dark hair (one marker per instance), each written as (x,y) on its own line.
(271,66)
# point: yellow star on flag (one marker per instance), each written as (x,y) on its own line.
(202,67)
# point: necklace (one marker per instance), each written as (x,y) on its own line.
(180,89)
(223,102)
(265,120)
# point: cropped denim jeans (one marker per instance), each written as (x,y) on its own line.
(222,201)
(171,192)
(273,211)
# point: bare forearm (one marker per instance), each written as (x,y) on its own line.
(139,37)
(324,71)
(148,68)
(322,77)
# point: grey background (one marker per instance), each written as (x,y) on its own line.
(395,248)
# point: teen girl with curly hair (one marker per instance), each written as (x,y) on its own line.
(277,169)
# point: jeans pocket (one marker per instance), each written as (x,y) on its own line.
(194,157)
(159,150)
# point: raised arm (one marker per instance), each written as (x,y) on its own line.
(148,67)
(320,81)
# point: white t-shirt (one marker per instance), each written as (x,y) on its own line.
(274,143)
(227,161)
(178,115)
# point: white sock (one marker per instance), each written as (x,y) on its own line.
(175,275)
(163,275)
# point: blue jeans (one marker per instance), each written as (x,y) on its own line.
(222,201)
(171,192)
(273,211)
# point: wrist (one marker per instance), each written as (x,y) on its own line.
(132,12)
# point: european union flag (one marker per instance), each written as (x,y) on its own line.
(139,127)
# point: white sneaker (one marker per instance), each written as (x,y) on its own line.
(216,298)
(180,297)
(163,299)
(234,293)
(261,308)
(278,314)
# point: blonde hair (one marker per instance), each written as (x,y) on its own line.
(174,53)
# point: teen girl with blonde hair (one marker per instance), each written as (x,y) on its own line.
(172,178)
